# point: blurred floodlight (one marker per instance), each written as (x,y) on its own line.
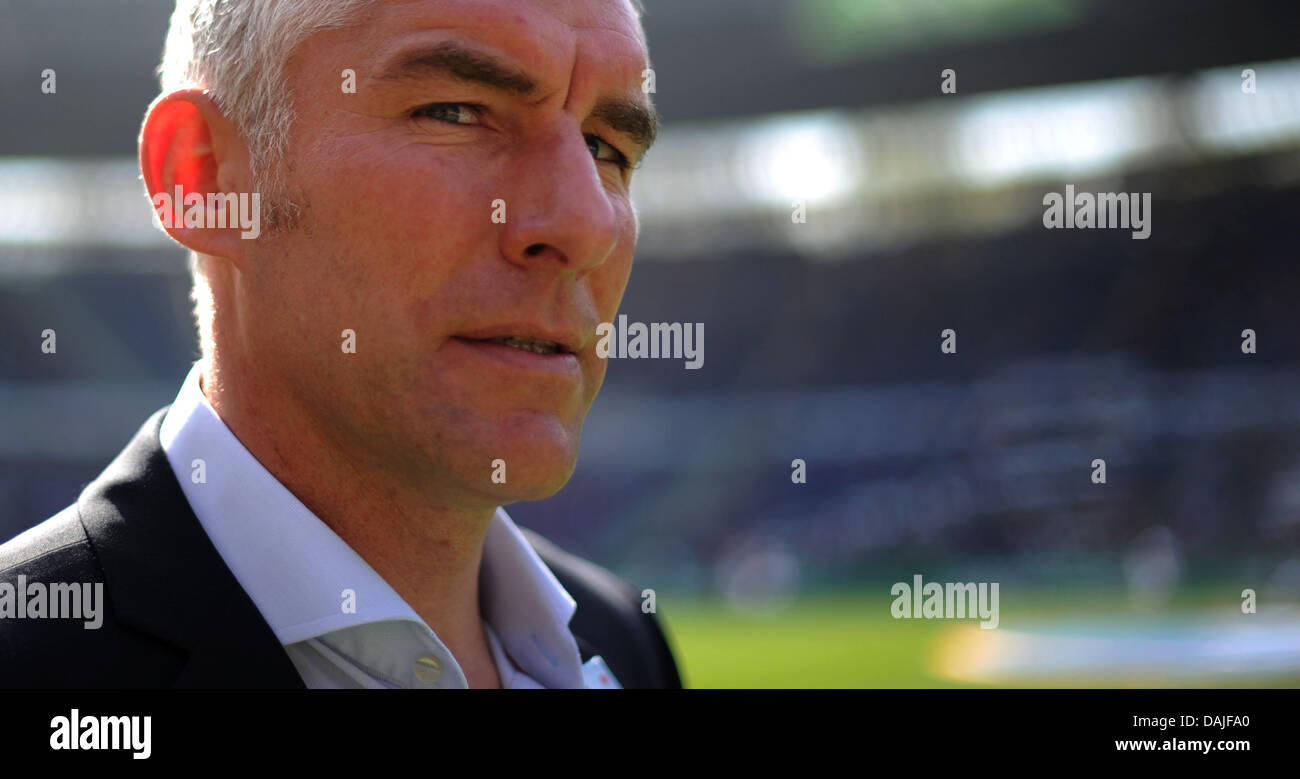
(810,158)
(1230,119)
(1077,131)
(46,202)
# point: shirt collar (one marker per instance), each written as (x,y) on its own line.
(296,569)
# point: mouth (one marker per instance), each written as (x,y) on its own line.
(534,354)
(528,337)
(534,345)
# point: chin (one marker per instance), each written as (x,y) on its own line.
(540,456)
(533,479)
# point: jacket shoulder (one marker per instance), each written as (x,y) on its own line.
(609,620)
(47,648)
(40,546)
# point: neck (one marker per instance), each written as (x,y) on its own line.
(428,552)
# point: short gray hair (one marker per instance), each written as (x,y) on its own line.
(237,50)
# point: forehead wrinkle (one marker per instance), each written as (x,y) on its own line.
(545,33)
(639,39)
(615,106)
(529,56)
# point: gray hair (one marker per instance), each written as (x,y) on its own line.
(237,50)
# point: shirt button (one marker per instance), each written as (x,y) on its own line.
(428,669)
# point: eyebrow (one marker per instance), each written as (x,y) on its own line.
(630,118)
(623,115)
(461,63)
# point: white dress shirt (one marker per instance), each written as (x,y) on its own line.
(341,623)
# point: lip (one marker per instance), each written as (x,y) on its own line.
(568,339)
(564,364)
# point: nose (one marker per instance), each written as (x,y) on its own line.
(558,210)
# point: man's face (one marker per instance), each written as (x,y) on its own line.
(465,112)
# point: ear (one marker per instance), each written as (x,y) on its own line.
(188,147)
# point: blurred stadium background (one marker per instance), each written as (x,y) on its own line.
(924,213)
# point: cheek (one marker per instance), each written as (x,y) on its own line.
(388,232)
(406,207)
(438,206)
(610,281)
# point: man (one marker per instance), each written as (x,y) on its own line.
(400,343)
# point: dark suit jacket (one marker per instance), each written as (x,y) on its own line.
(176,617)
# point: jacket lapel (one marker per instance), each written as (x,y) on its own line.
(164,577)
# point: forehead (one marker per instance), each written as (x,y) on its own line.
(537,34)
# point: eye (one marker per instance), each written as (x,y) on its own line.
(598,146)
(452,113)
